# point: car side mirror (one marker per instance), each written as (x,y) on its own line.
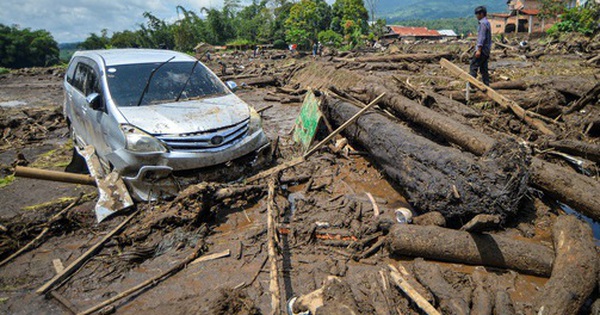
(94,101)
(232,85)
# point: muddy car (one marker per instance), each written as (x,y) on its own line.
(151,112)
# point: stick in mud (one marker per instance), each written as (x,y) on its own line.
(150,282)
(46,229)
(83,258)
(271,234)
(411,292)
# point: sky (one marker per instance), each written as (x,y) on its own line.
(74,20)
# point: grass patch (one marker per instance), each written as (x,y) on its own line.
(62,202)
(7,180)
(55,158)
(3,300)
(4,70)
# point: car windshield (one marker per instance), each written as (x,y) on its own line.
(126,83)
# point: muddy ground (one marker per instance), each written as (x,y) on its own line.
(326,218)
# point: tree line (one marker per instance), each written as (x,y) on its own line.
(263,21)
(20,48)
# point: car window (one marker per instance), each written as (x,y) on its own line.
(71,71)
(86,79)
(126,83)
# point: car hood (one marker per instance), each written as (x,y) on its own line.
(188,116)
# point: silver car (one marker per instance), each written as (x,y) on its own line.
(151,112)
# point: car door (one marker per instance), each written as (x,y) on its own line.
(97,118)
(79,105)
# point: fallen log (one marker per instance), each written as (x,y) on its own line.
(271,235)
(465,136)
(443,244)
(575,270)
(400,58)
(588,98)
(576,190)
(503,304)
(589,151)
(450,301)
(429,173)
(509,85)
(482,302)
(261,81)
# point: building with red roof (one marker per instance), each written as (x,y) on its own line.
(409,32)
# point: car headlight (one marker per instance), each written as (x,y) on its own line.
(139,141)
(255,123)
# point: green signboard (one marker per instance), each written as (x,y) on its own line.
(307,121)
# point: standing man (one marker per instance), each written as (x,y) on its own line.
(483,48)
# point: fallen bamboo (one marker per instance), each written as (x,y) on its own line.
(411,292)
(499,98)
(271,247)
(36,173)
(575,269)
(83,258)
(44,231)
(209,257)
(150,282)
(470,248)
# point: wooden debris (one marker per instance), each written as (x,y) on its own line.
(271,247)
(450,301)
(58,265)
(500,99)
(36,173)
(373,203)
(586,150)
(411,292)
(482,303)
(43,233)
(150,282)
(588,98)
(575,269)
(74,266)
(509,85)
(470,248)
(576,190)
(64,302)
(482,222)
(401,58)
(213,256)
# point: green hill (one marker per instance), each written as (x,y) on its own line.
(401,10)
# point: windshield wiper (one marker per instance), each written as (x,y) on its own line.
(187,81)
(150,79)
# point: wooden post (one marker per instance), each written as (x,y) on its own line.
(499,98)
(36,173)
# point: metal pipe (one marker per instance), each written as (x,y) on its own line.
(36,173)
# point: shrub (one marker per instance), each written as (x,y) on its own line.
(330,38)
(280,44)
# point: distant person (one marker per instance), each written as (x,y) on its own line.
(484,46)
(314,49)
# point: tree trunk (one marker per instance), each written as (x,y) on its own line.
(402,57)
(435,177)
(575,268)
(589,151)
(576,190)
(470,248)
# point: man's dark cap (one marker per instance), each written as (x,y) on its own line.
(481,9)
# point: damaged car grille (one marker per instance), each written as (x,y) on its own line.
(212,140)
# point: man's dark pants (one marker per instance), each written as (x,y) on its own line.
(480,63)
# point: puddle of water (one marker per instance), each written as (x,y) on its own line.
(595,225)
(12,103)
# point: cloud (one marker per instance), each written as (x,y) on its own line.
(74,20)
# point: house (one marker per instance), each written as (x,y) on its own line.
(448,33)
(523,17)
(411,33)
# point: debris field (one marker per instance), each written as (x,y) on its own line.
(437,199)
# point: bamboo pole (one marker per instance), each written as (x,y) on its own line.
(36,173)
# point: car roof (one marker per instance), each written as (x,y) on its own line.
(115,57)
